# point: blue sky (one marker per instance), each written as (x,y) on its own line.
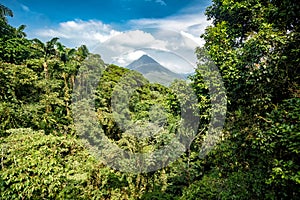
(119,30)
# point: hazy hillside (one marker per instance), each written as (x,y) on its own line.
(153,71)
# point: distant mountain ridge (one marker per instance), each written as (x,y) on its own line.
(153,71)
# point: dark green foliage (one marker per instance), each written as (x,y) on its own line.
(282,136)
(255,70)
(255,45)
(5,11)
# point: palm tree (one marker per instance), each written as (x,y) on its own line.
(6,31)
(48,52)
(67,56)
(20,31)
(83,52)
(5,11)
(71,59)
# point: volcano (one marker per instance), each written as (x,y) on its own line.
(153,71)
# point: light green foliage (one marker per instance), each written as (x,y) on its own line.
(37,166)
(15,50)
(36,72)
(21,90)
(125,97)
(14,47)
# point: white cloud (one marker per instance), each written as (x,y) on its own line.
(25,8)
(128,58)
(135,39)
(160,44)
(80,32)
(178,35)
(193,24)
(182,32)
(122,48)
(161,2)
(174,62)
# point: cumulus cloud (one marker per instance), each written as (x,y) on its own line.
(182,32)
(179,35)
(122,48)
(175,50)
(80,32)
(134,39)
(194,24)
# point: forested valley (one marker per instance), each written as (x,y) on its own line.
(255,46)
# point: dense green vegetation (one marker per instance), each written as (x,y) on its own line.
(255,46)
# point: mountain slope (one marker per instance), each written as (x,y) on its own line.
(153,71)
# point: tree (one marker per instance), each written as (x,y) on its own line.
(43,166)
(254,45)
(47,52)
(251,48)
(5,29)
(20,31)
(5,11)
